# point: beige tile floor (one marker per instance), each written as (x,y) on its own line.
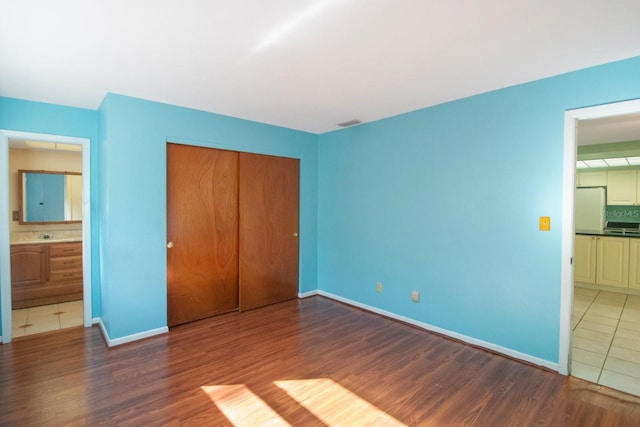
(45,318)
(606,339)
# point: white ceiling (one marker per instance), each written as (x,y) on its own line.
(303,64)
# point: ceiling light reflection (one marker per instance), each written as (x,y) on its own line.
(287,28)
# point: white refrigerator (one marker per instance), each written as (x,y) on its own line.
(591,208)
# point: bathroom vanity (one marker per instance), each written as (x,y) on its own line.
(45,273)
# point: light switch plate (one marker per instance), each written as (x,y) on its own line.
(545,223)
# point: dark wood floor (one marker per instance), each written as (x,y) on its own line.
(304,362)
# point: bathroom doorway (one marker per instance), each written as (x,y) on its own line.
(60,250)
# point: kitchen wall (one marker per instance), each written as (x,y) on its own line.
(623,213)
(49,160)
(446,201)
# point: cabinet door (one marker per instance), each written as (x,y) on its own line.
(612,261)
(592,179)
(634,264)
(622,187)
(27,264)
(584,260)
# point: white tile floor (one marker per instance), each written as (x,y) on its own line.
(34,320)
(606,339)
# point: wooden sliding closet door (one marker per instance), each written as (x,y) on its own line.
(202,232)
(269,199)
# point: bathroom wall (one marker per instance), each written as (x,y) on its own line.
(49,160)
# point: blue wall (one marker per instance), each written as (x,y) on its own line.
(37,117)
(446,201)
(443,200)
(133,137)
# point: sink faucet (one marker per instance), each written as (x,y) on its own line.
(46,235)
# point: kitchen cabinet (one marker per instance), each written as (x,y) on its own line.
(634,264)
(622,187)
(45,274)
(592,179)
(612,261)
(585,259)
(602,260)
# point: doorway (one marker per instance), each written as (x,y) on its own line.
(576,305)
(6,217)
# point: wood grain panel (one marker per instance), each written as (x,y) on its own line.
(65,249)
(202,223)
(417,378)
(269,200)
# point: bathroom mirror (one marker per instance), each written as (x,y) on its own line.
(49,197)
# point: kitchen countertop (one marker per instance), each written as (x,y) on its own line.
(607,233)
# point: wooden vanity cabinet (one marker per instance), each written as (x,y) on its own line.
(28,263)
(45,274)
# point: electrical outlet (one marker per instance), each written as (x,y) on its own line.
(379,287)
(16,215)
(415,296)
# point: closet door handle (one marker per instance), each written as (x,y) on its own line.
(170,245)
(295,234)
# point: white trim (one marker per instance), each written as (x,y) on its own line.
(5,243)
(614,289)
(571,118)
(5,259)
(307,294)
(129,338)
(469,340)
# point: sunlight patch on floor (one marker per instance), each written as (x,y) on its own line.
(242,407)
(325,399)
(335,405)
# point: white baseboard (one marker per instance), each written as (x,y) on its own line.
(626,291)
(469,340)
(129,338)
(307,294)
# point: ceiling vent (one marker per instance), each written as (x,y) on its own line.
(349,123)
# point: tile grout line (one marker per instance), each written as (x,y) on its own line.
(57,324)
(585,312)
(58,316)
(612,338)
(593,299)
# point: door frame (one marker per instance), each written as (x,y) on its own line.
(571,118)
(5,243)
